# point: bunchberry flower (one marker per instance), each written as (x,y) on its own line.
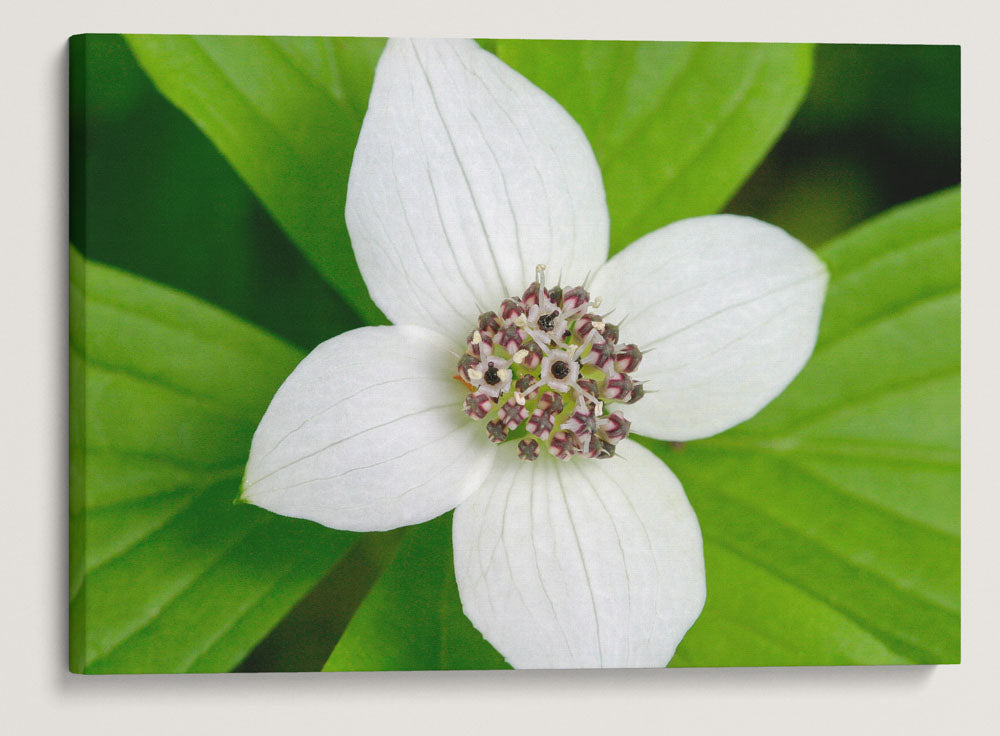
(510,394)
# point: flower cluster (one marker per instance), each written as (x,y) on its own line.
(543,370)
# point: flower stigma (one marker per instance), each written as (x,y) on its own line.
(545,371)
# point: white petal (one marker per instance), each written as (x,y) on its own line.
(587,563)
(464,178)
(368,434)
(728,308)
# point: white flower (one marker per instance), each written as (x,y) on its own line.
(464,178)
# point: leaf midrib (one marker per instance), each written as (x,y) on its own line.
(809,419)
(888,313)
(820,541)
(887,638)
(613,155)
(212,561)
(719,125)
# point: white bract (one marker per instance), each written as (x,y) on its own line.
(465,178)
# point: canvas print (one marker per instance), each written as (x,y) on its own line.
(418,354)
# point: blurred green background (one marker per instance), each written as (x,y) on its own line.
(879,126)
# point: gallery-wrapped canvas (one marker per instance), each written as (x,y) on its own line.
(420,354)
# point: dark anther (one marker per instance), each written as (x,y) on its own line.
(547,321)
(559,369)
(637,393)
(491,375)
(605,450)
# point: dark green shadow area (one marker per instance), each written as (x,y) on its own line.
(150,194)
(302,642)
(880,126)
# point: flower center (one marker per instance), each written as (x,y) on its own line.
(491,376)
(546,321)
(545,370)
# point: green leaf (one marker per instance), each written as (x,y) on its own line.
(286,113)
(831,520)
(150,194)
(677,127)
(303,640)
(167,574)
(412,619)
